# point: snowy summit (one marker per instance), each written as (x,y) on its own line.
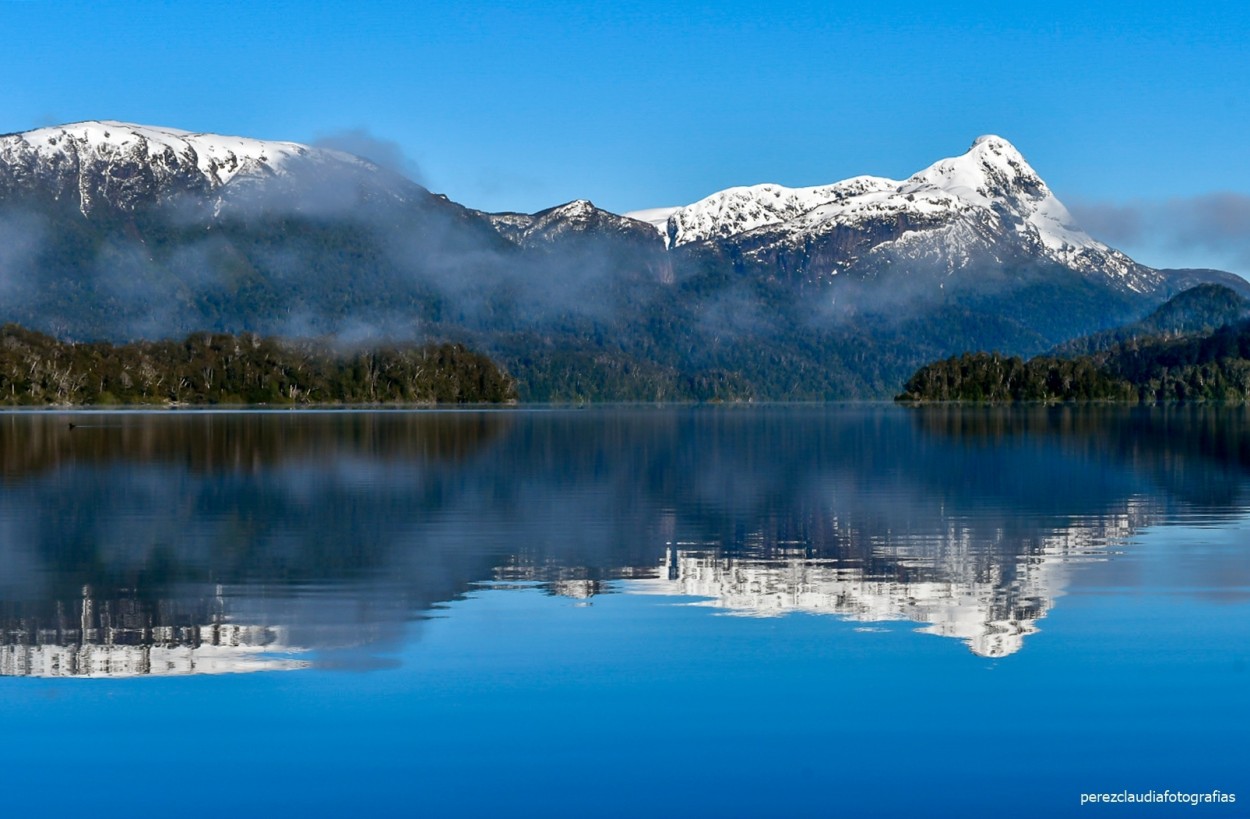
(978,199)
(124,163)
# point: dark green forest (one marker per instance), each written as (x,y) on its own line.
(214,368)
(1204,367)
(993,377)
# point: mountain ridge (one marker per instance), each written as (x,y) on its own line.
(99,156)
(988,192)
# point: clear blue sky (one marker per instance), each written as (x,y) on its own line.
(1136,114)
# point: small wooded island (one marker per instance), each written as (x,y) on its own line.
(1195,347)
(211,368)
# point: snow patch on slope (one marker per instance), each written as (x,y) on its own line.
(655,217)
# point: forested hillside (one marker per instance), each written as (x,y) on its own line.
(1201,309)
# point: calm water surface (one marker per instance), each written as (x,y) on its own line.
(814,611)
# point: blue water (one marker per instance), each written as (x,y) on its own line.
(821,611)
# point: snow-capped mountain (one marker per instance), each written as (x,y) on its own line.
(122,166)
(988,204)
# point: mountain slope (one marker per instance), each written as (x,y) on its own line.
(120,232)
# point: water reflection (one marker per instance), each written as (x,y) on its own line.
(227,542)
(990,611)
(118,637)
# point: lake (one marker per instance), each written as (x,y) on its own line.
(844,610)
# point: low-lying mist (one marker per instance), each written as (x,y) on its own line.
(349,252)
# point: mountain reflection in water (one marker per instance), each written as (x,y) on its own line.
(178,543)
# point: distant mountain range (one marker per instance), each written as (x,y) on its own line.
(1200,310)
(116,231)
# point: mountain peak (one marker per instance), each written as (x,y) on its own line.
(993,140)
(579,217)
(577,206)
(991,169)
(990,192)
(991,176)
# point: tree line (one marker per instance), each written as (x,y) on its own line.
(216,368)
(1213,366)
